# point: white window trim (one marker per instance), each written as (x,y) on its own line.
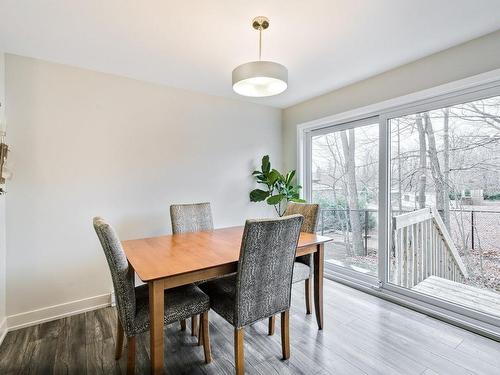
(448,94)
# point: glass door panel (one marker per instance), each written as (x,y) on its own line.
(445,204)
(344,181)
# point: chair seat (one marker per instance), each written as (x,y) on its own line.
(222,293)
(301,272)
(180,303)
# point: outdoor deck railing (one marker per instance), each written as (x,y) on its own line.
(342,215)
(423,247)
(470,229)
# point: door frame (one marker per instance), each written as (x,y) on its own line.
(307,193)
(465,90)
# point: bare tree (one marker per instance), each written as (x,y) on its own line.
(422,179)
(348,147)
(446,167)
(436,172)
(400,192)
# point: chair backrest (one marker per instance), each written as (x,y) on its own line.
(121,273)
(309,211)
(186,218)
(265,267)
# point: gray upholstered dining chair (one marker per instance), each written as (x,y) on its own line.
(194,217)
(187,218)
(262,285)
(133,302)
(303,267)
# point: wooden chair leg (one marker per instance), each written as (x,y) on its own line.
(204,324)
(131,355)
(285,334)
(183,324)
(194,325)
(272,324)
(308,296)
(239,356)
(119,339)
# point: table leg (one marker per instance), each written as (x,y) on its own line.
(156,307)
(319,257)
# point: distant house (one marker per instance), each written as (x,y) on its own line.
(409,199)
(473,197)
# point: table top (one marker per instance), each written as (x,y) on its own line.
(171,255)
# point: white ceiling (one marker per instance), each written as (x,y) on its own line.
(195,44)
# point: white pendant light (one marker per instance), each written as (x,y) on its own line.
(260,78)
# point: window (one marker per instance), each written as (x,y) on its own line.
(410,194)
(345,184)
(445,244)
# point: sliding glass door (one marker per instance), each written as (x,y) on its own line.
(445,204)
(344,181)
(411,199)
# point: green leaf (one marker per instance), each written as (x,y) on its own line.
(258,195)
(275,199)
(273,177)
(266,165)
(280,176)
(289,177)
(297,200)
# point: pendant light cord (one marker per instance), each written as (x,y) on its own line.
(260,43)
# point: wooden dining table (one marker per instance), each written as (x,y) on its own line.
(169,261)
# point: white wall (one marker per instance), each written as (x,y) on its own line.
(3,325)
(85,144)
(465,60)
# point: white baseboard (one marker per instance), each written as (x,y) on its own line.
(3,329)
(55,312)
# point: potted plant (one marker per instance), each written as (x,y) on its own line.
(279,188)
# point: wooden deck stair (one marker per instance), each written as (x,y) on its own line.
(483,300)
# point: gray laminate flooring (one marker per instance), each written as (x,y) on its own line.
(362,335)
